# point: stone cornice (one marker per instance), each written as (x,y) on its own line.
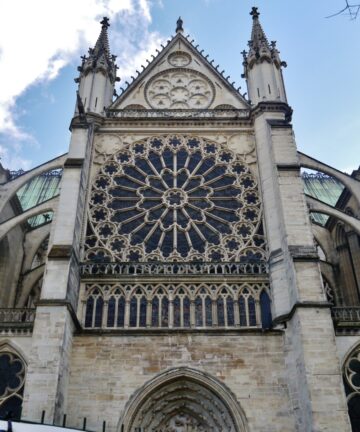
(61,302)
(282,319)
(266,107)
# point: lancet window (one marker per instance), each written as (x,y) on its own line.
(177,306)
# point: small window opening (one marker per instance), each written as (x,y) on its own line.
(258,91)
(269,88)
(96,102)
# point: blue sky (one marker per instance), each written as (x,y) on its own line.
(40,50)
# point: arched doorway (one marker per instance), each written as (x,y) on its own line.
(183,400)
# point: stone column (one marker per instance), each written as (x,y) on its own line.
(55,322)
(299,305)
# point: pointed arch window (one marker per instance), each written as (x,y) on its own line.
(12,379)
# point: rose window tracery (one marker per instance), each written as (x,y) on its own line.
(179,89)
(174,198)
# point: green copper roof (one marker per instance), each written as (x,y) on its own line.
(323,188)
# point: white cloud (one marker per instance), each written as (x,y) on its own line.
(39,37)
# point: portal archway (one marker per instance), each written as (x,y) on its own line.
(183,399)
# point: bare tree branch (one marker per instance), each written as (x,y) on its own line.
(352,10)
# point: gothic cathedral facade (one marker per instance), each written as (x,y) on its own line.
(179,284)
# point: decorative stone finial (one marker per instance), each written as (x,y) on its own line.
(255,13)
(179,25)
(105,23)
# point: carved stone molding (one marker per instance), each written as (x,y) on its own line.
(180,398)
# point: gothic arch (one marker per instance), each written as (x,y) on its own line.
(187,396)
(352,184)
(9,189)
(13,374)
(351,376)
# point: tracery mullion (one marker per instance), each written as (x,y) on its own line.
(135,180)
(151,232)
(204,174)
(247,311)
(160,311)
(161,157)
(175,231)
(188,239)
(181,311)
(157,174)
(209,183)
(132,217)
(175,170)
(220,188)
(218,218)
(194,226)
(191,176)
(138,311)
(226,323)
(203,303)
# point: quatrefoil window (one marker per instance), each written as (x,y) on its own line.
(174,199)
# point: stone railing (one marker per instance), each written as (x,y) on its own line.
(173,269)
(346,315)
(17,317)
(179,113)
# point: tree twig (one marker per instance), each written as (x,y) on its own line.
(352,9)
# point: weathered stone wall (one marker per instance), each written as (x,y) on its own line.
(106,371)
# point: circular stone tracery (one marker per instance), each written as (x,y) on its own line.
(179,89)
(174,198)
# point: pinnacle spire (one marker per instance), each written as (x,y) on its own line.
(267,83)
(259,47)
(179,25)
(102,44)
(258,39)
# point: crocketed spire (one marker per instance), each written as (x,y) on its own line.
(99,57)
(258,44)
(102,44)
(267,83)
(259,47)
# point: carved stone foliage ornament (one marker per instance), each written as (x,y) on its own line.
(179,89)
(174,198)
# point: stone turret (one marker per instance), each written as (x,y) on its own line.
(263,67)
(97,75)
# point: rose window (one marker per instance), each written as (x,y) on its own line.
(179,88)
(174,199)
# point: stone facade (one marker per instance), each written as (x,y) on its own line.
(182,289)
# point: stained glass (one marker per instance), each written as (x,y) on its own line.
(174,197)
(198,312)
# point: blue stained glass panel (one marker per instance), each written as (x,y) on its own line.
(198,312)
(89,311)
(121,312)
(133,312)
(186,311)
(164,312)
(177,312)
(220,311)
(155,312)
(111,312)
